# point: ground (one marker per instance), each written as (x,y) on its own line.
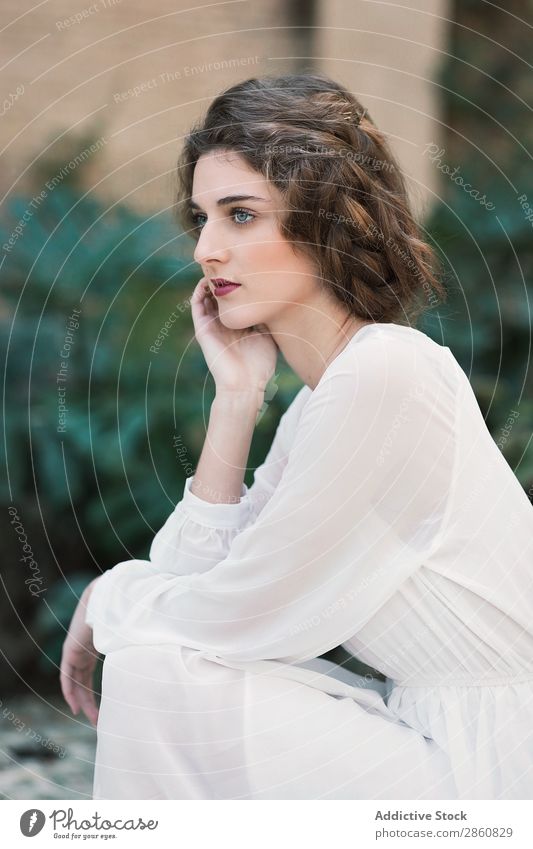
(45,751)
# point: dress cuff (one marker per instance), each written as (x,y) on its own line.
(222,515)
(98,593)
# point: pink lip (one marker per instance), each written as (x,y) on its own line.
(223,286)
(222,280)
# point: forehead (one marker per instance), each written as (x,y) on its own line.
(220,173)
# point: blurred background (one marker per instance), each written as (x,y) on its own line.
(105,392)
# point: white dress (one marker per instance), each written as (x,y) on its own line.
(384,519)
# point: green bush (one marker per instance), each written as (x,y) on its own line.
(488,252)
(93,485)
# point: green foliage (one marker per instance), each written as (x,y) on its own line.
(96,493)
(115,460)
(53,618)
(95,481)
(487,254)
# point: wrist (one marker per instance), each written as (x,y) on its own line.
(249,398)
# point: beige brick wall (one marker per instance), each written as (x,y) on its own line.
(387,54)
(81,73)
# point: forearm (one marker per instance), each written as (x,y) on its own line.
(220,472)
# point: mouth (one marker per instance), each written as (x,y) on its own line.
(220,282)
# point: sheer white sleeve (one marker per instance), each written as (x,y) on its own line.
(198,534)
(361,502)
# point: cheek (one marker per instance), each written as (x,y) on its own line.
(275,262)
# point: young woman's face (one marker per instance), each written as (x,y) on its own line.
(240,241)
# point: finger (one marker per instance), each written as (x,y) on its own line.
(65,682)
(72,702)
(91,712)
(88,705)
(81,694)
(211,305)
(209,301)
(72,675)
(69,694)
(200,290)
(199,302)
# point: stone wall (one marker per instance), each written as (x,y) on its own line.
(387,54)
(136,73)
(136,76)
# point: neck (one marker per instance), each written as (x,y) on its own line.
(310,346)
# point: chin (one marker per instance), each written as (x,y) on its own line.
(240,318)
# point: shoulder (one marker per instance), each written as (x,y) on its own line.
(384,373)
(393,357)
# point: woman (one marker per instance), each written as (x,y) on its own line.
(384,518)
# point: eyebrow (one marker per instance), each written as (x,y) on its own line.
(230,199)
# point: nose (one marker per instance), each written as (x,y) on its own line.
(212,244)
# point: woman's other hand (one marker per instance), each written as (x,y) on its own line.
(237,359)
(78,662)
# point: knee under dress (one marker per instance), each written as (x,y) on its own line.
(384,519)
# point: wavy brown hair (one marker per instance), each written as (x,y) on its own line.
(345,198)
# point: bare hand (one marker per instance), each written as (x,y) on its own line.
(78,662)
(237,359)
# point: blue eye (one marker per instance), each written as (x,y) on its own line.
(235,212)
(198,218)
(194,218)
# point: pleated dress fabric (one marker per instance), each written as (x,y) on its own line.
(384,519)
